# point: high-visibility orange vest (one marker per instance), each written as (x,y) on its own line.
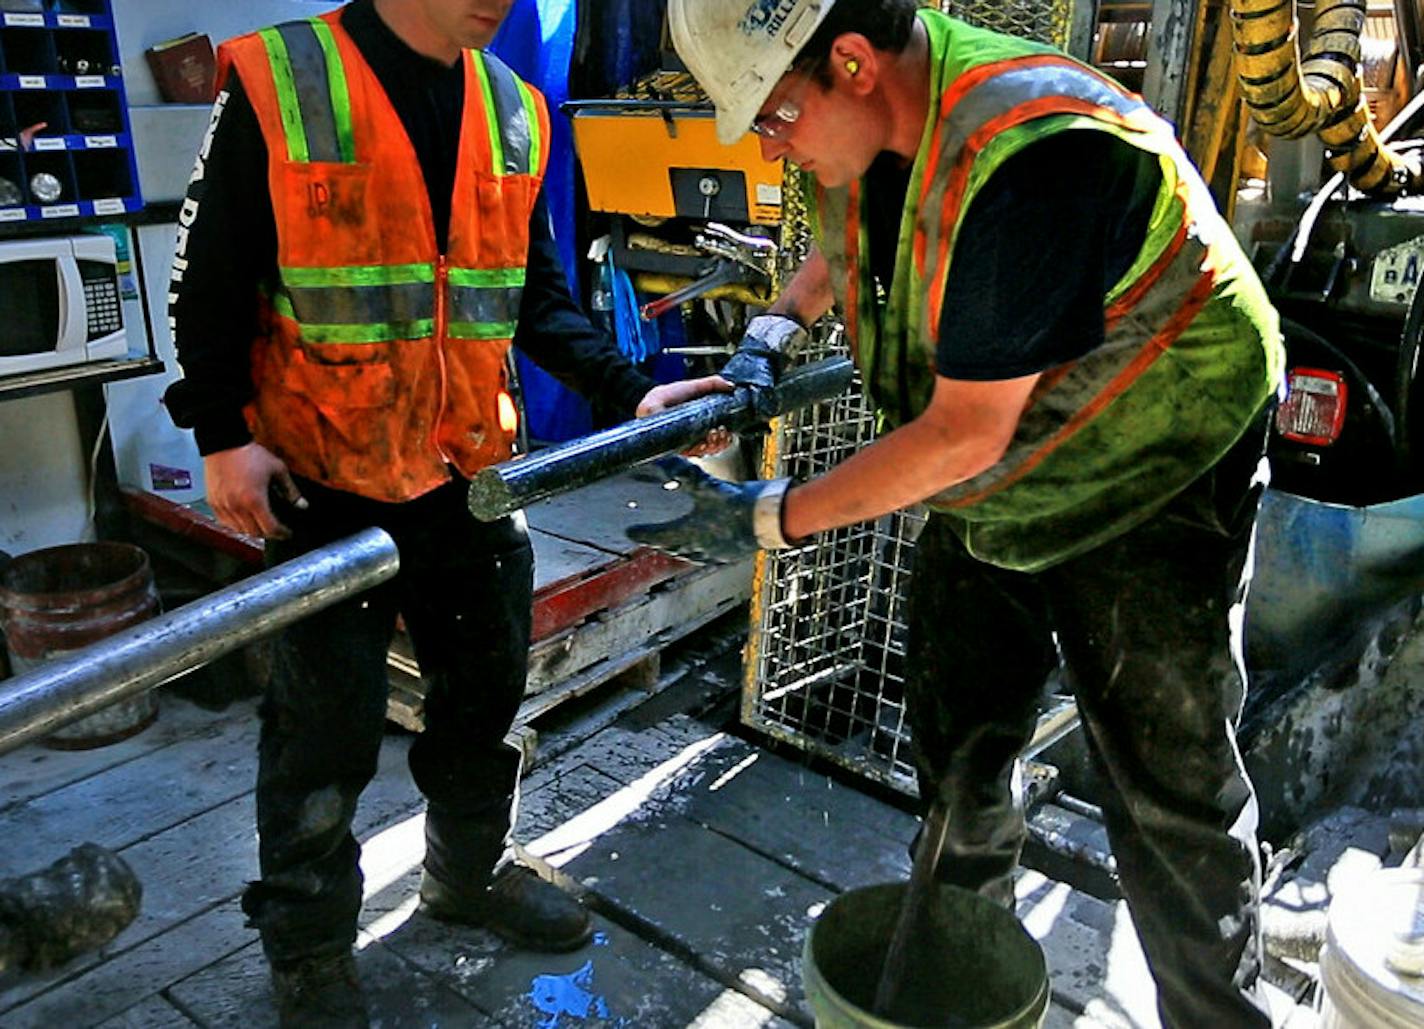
(380,361)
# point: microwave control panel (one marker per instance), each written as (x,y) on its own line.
(101,299)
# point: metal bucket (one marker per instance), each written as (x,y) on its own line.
(1372,967)
(60,599)
(972,965)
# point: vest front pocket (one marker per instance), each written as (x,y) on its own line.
(503,208)
(358,377)
(322,209)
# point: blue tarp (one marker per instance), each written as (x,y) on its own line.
(537,40)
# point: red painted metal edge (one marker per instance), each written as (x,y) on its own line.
(192,525)
(557,606)
(569,601)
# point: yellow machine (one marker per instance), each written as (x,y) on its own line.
(661,159)
(688,218)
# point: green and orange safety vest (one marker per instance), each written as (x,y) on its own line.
(1192,351)
(381,361)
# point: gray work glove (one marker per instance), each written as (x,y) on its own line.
(728,520)
(770,340)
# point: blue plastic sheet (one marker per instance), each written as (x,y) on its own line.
(537,40)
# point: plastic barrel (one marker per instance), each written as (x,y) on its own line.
(60,599)
(1372,966)
(971,964)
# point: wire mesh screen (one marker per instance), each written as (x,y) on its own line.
(1047,22)
(825,665)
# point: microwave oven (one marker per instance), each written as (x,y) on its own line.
(60,302)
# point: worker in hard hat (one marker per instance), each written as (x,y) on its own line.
(1075,361)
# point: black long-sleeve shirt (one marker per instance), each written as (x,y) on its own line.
(228,248)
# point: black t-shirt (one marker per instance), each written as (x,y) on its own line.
(230,248)
(1054,228)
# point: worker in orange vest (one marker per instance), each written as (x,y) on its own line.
(363,240)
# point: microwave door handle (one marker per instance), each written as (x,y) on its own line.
(73,318)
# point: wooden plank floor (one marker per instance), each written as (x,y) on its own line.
(703,857)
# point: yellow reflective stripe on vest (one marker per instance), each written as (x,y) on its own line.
(484,302)
(311,90)
(339,95)
(359,303)
(290,108)
(513,119)
(353,332)
(315,101)
(359,275)
(377,303)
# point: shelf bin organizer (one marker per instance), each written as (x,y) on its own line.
(65,146)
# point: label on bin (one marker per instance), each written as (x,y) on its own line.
(60,211)
(98,142)
(24,20)
(88,81)
(33,82)
(49,143)
(165,477)
(110,206)
(74,21)
(12,214)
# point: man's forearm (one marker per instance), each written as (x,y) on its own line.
(909,465)
(965,431)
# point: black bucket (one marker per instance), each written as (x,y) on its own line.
(61,599)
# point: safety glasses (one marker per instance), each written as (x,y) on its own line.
(777,123)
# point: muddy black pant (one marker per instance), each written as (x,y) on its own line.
(464,591)
(1149,635)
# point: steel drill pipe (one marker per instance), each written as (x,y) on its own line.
(150,653)
(503,488)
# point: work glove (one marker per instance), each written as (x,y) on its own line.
(769,341)
(728,521)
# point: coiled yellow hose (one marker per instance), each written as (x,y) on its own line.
(1293,97)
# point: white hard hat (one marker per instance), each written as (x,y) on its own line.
(739,49)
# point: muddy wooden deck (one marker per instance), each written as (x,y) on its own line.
(703,857)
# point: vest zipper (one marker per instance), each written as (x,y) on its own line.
(442,289)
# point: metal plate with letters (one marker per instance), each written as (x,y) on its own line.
(1395,272)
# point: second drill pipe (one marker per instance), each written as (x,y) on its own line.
(507,487)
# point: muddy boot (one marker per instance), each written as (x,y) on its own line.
(517,906)
(80,902)
(319,993)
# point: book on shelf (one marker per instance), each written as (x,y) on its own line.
(184,69)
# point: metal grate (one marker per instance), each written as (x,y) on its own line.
(825,664)
(1031,19)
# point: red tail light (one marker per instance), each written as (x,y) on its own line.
(1314,408)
